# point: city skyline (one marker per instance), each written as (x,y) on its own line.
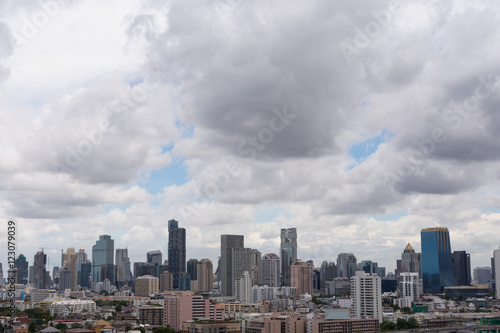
(358,123)
(317,264)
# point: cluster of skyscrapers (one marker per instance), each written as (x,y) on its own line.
(240,268)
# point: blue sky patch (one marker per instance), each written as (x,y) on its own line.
(490,210)
(363,149)
(391,217)
(110,207)
(267,213)
(173,174)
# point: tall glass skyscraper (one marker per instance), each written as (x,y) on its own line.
(176,251)
(102,254)
(288,254)
(437,267)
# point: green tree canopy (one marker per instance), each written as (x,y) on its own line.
(401,324)
(413,323)
(387,326)
(61,326)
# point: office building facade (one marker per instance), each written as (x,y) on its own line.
(21,265)
(302,277)
(228,243)
(408,285)
(270,270)
(205,275)
(176,251)
(192,269)
(146,285)
(437,267)
(461,268)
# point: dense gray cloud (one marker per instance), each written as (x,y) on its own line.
(6,49)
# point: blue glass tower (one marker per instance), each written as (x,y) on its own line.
(437,267)
(102,254)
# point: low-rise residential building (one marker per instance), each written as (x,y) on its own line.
(65,307)
(345,325)
(151,315)
(205,325)
(185,305)
(277,323)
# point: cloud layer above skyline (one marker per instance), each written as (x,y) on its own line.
(357,123)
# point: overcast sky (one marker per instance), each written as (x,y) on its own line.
(357,122)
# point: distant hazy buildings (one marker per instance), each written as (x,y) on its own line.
(288,254)
(70,262)
(154,257)
(328,272)
(84,269)
(256,263)
(64,279)
(41,278)
(437,267)
(482,275)
(102,254)
(346,265)
(123,271)
(410,261)
(461,268)
(366,295)
(176,251)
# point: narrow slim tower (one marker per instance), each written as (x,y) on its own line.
(288,254)
(176,251)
